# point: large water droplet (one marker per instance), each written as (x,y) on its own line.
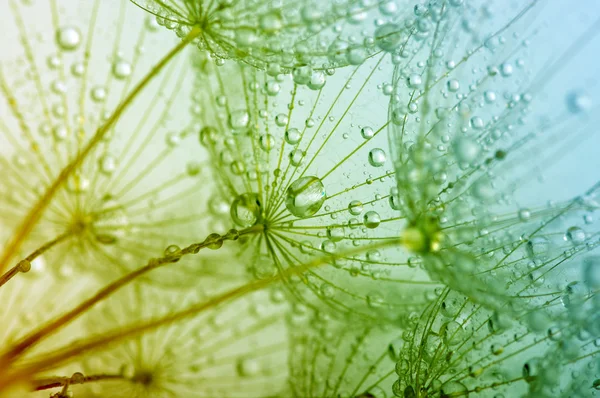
(305,196)
(377,157)
(68,38)
(575,235)
(245,209)
(388,37)
(371,219)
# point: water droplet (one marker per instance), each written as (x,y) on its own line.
(239,120)
(305,196)
(248,367)
(98,94)
(414,81)
(107,164)
(537,248)
(302,74)
(524,214)
(453,85)
(121,69)
(68,38)
(578,102)
(377,157)
(388,37)
(245,209)
(367,132)
(281,119)
(452,333)
(208,136)
(371,219)
(506,70)
(465,149)
(296,157)
(317,81)
(266,142)
(292,136)
(24,266)
(270,22)
(575,235)
(355,207)
(489,96)
(454,389)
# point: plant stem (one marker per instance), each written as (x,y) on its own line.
(25,264)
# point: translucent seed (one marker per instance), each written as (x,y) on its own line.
(305,196)
(371,219)
(245,209)
(68,38)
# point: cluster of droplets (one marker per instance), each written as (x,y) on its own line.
(308,39)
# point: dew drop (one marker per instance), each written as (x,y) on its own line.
(68,38)
(305,196)
(388,37)
(107,164)
(367,132)
(575,235)
(578,102)
(355,207)
(121,69)
(292,136)
(377,157)
(245,209)
(238,120)
(371,219)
